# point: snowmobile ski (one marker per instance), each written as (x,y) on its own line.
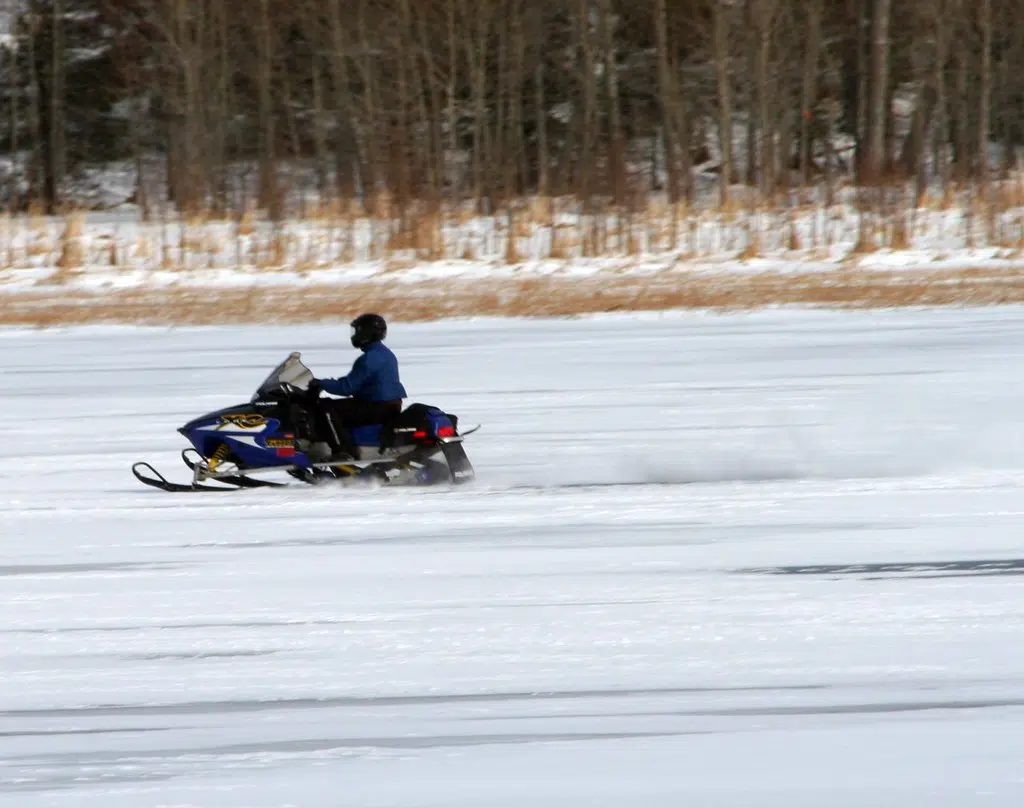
(155,479)
(237,480)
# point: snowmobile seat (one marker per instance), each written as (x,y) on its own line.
(368,435)
(413,418)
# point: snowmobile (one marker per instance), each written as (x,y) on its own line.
(271,433)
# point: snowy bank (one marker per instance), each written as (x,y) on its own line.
(117,250)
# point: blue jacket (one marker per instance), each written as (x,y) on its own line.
(374,377)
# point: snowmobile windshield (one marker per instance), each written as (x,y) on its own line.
(290,372)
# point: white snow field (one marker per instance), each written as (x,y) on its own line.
(768,559)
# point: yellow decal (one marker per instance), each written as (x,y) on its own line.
(242,420)
(280,443)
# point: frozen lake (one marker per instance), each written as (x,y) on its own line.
(758,560)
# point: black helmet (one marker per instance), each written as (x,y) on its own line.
(367,328)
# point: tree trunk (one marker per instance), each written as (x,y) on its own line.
(911,157)
(962,135)
(268,192)
(861,136)
(985,90)
(720,37)
(13,87)
(371,138)
(35,113)
(402,148)
(541,112)
(941,94)
(666,96)
(476,45)
(451,86)
(55,163)
(616,145)
(346,147)
(217,154)
(809,90)
(500,104)
(878,116)
(750,94)
(764,23)
(319,134)
(185,32)
(588,134)
(517,145)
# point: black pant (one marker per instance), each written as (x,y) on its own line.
(337,415)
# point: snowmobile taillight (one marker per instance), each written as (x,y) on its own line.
(420,434)
(446,432)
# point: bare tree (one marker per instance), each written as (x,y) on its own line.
(763,17)
(667,98)
(809,89)
(985,88)
(269,197)
(55,172)
(540,114)
(616,144)
(878,117)
(722,11)
(479,17)
(588,92)
(432,101)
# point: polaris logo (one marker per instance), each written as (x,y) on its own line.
(460,474)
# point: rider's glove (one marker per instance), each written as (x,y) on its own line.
(314,387)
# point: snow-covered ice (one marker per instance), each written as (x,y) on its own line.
(769,559)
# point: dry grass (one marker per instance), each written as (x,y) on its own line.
(247,221)
(512,235)
(538,297)
(7,238)
(72,254)
(900,237)
(417,232)
(343,231)
(867,238)
(753,249)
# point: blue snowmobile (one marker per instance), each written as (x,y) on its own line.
(420,446)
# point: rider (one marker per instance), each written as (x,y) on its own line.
(372,388)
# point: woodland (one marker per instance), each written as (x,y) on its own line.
(443,103)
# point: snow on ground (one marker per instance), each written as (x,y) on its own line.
(112,250)
(760,560)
